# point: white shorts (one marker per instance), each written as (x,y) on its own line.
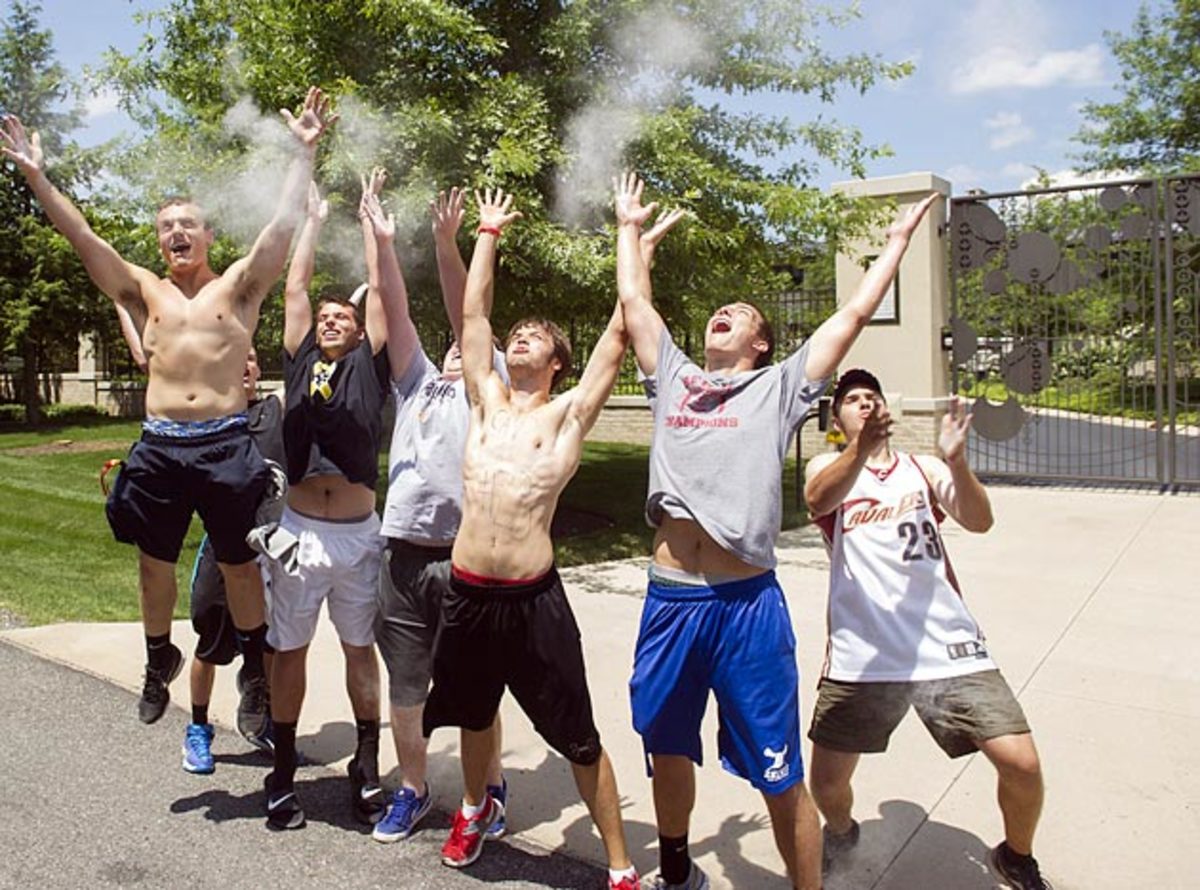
(338,561)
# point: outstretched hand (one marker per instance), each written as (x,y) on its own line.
(876,428)
(666,221)
(24,149)
(956,424)
(384,226)
(318,207)
(627,201)
(315,118)
(495,209)
(447,211)
(907,222)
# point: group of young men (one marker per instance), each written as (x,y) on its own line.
(457,584)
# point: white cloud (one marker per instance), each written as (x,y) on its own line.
(964,176)
(1009,67)
(101,103)
(1018,170)
(1008,129)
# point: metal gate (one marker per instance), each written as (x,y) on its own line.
(1074,328)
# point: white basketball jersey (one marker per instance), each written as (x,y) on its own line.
(895,610)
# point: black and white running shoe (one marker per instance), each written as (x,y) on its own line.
(366,796)
(284,812)
(254,706)
(155,694)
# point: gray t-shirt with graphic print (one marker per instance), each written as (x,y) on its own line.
(719,445)
(429,438)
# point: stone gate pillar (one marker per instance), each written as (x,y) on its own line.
(903,345)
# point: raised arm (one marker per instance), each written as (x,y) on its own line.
(259,269)
(374,310)
(447,213)
(119,280)
(390,290)
(642,321)
(604,364)
(957,489)
(829,478)
(833,339)
(297,310)
(133,339)
(495,212)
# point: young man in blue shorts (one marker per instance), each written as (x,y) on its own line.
(715,617)
(195,454)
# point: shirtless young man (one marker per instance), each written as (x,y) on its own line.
(336,374)
(505,619)
(715,617)
(195,453)
(899,631)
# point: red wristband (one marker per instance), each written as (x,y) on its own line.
(488,230)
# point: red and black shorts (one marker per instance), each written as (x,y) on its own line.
(521,636)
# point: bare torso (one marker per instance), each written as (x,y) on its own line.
(516,464)
(196,348)
(331,497)
(682,544)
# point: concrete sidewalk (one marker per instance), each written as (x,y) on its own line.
(1091,606)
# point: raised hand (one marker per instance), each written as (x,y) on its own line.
(315,118)
(447,211)
(318,207)
(907,222)
(495,209)
(627,189)
(956,423)
(372,184)
(24,149)
(666,221)
(384,226)
(876,428)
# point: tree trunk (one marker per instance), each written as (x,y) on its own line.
(29,382)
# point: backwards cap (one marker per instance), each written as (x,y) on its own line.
(853,379)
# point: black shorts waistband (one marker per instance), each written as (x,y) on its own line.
(234,432)
(502,591)
(424,551)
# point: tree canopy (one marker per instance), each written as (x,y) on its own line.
(1155,124)
(547,99)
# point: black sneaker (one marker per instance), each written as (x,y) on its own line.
(254,706)
(155,694)
(1020,872)
(366,796)
(836,846)
(284,812)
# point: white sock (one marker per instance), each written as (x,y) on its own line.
(470,812)
(616,875)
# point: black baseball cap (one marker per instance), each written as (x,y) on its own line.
(855,378)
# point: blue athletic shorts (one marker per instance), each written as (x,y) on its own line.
(735,639)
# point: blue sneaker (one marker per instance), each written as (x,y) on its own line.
(403,814)
(499,793)
(197,748)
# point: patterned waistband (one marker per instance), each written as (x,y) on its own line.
(192,429)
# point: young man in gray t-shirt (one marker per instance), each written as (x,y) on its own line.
(715,617)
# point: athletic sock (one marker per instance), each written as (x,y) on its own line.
(252,643)
(158,651)
(285,755)
(617,875)
(470,812)
(367,752)
(674,861)
(200,714)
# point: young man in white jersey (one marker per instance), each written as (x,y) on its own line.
(715,617)
(899,631)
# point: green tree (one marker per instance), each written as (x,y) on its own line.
(547,99)
(46,298)
(1155,124)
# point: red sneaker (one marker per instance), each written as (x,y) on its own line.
(467,836)
(630,882)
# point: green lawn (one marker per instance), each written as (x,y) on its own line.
(62,564)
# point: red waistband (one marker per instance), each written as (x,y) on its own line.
(487,581)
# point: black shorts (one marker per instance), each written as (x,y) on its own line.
(165,479)
(523,637)
(217,641)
